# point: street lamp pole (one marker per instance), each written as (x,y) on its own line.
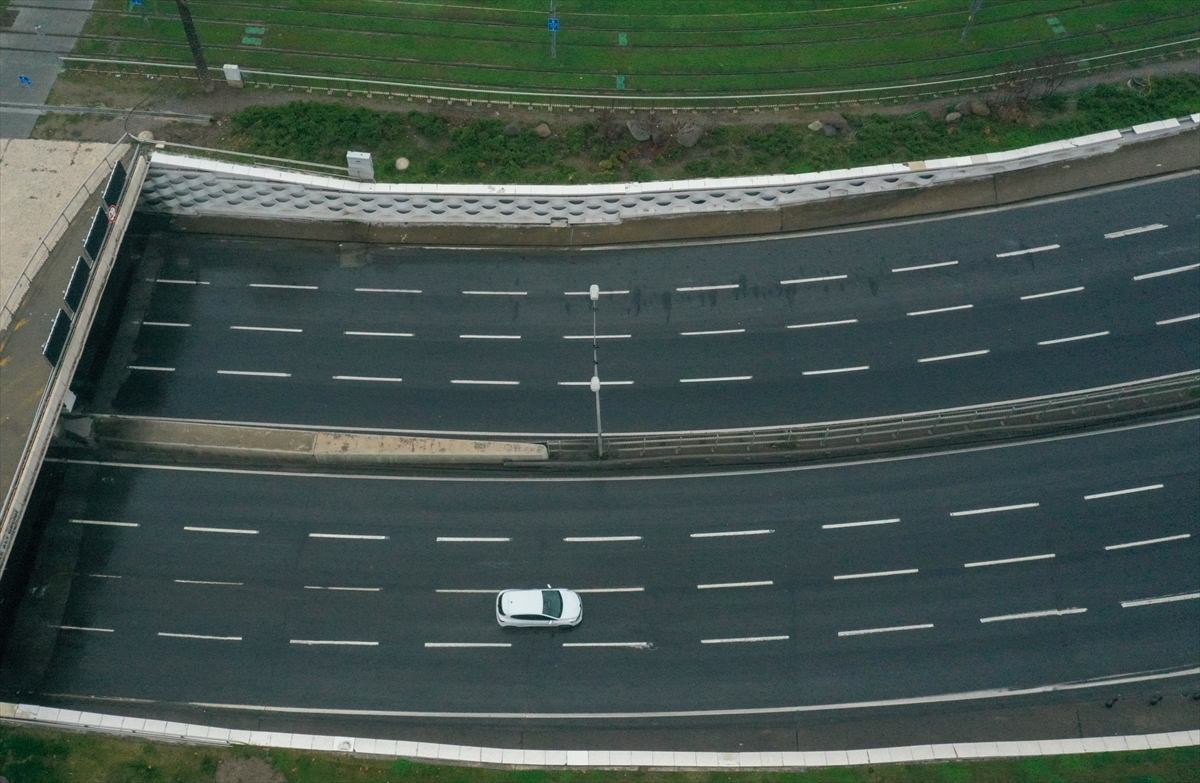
(594,295)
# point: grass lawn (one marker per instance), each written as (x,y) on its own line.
(670,46)
(29,755)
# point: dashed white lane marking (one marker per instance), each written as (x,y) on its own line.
(610,590)
(1148,542)
(468,644)
(1041,249)
(200,636)
(631,645)
(388,290)
(588,293)
(1007,560)
(205,582)
(103,522)
(333,642)
(288,287)
(599,539)
(1115,492)
(379,334)
(255,374)
(873,574)
(231,530)
(724,533)
(589,383)
(726,287)
(1172,271)
(1165,599)
(462,382)
(1072,339)
(924,266)
(745,639)
(489,337)
(1059,292)
(369,378)
(471,540)
(941,310)
(1179,320)
(147,368)
(993,510)
(345,589)
(1131,231)
(802,280)
(165,323)
(103,576)
(1032,615)
(265,329)
(823,323)
(963,355)
(82,628)
(864,631)
(348,536)
(868,523)
(837,370)
(723,585)
(598,336)
(712,331)
(495,293)
(171,281)
(717,380)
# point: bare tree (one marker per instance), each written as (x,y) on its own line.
(189,29)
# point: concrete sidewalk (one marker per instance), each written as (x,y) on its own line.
(43,30)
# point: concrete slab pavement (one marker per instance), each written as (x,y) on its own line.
(41,32)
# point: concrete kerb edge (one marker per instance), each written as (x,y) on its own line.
(32,714)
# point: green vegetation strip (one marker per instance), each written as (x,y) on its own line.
(489,151)
(29,755)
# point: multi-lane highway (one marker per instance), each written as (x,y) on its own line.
(1011,566)
(1071,293)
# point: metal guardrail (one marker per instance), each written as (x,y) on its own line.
(1005,419)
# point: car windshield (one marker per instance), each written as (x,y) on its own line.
(551,603)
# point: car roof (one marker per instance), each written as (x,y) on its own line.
(522,602)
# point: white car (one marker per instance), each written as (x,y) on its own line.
(553,606)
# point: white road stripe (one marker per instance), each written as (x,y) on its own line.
(864,631)
(289,287)
(1172,271)
(746,639)
(1072,339)
(722,585)
(589,539)
(314,642)
(1179,320)
(1041,249)
(495,293)
(345,589)
(872,575)
(860,524)
(232,530)
(589,293)
(589,383)
(1115,492)
(164,323)
(723,533)
(1032,615)
(823,323)
(203,582)
(388,290)
(1008,560)
(255,374)
(993,510)
(378,334)
(200,636)
(1131,231)
(598,336)
(265,329)
(82,628)
(1166,599)
(489,337)
(366,378)
(468,644)
(146,368)
(1148,542)
(611,590)
(837,370)
(471,540)
(348,536)
(716,380)
(708,287)
(941,310)
(802,280)
(485,383)
(963,355)
(712,331)
(180,282)
(631,645)
(1059,292)
(104,523)
(924,266)
(103,576)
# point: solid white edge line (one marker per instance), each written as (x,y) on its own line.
(148,368)
(495,293)
(489,337)
(348,536)
(599,539)
(723,585)
(598,336)
(963,355)
(1163,272)
(746,639)
(839,525)
(388,290)
(823,323)
(1007,560)
(1072,339)
(255,374)
(837,370)
(1180,319)
(802,280)
(1032,615)
(82,628)
(1131,231)
(200,636)
(993,509)
(711,331)
(631,645)
(470,540)
(379,334)
(942,310)
(1148,542)
(164,323)
(265,329)
(873,574)
(468,644)
(485,383)
(366,378)
(332,643)
(232,530)
(715,380)
(1060,291)
(1115,492)
(865,631)
(1165,599)
(289,287)
(1041,249)
(103,523)
(725,533)
(924,266)
(725,287)
(205,582)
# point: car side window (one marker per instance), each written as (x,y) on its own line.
(528,617)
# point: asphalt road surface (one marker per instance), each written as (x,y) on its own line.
(1071,293)
(1013,566)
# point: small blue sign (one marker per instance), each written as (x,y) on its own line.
(552,25)
(135,2)
(25,80)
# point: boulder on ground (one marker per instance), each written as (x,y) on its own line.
(834,119)
(639,129)
(980,109)
(963,108)
(689,134)
(543,130)
(816,125)
(402,164)
(512,129)
(953,117)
